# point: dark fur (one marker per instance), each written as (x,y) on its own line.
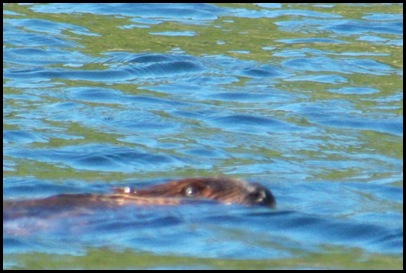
(224,190)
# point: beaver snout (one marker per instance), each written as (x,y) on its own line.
(225,190)
(261,196)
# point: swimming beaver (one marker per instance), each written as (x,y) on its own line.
(225,190)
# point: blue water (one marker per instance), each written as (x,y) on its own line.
(305,99)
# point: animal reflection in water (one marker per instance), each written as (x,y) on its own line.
(224,190)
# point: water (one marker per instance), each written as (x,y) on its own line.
(305,99)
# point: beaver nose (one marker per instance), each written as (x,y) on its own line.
(262,196)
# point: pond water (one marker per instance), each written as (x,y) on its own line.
(305,99)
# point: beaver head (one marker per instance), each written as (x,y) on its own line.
(224,190)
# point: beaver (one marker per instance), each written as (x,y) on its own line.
(175,192)
(224,190)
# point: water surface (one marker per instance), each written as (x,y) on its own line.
(304,98)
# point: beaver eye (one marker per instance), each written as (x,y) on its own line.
(190,191)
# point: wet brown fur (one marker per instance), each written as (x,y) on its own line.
(224,190)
